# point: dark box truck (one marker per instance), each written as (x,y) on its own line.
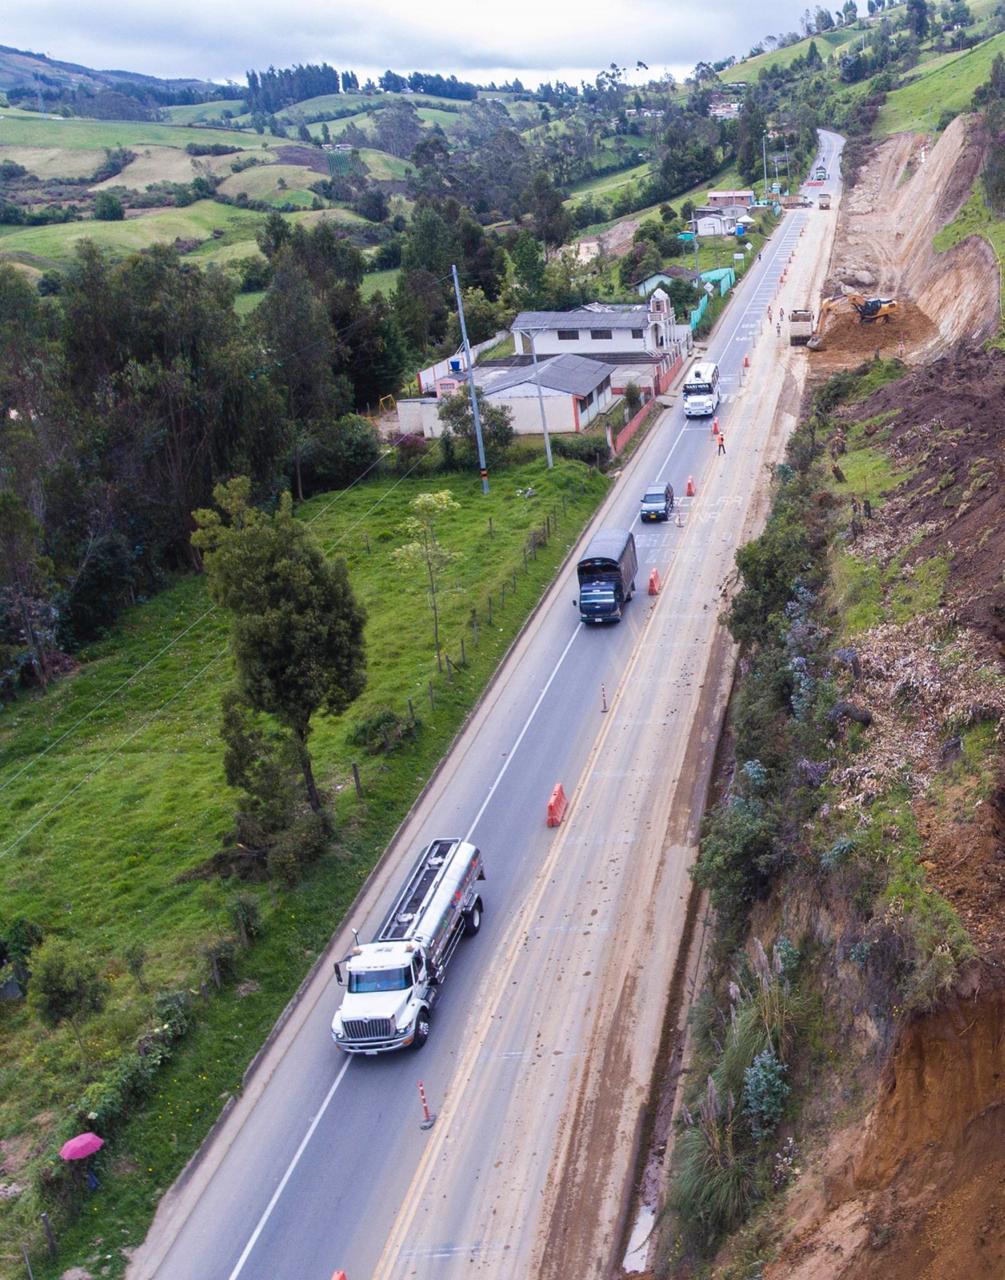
(607,576)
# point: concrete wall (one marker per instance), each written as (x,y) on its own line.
(421,417)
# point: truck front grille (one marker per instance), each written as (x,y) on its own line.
(368,1028)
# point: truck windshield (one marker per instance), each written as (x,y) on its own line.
(380,980)
(698,389)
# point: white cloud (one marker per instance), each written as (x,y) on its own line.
(217,40)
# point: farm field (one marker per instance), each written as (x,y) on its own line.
(383,167)
(113,788)
(54,162)
(169,164)
(199,111)
(262,181)
(55,244)
(27,129)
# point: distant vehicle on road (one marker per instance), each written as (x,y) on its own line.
(823,200)
(821,173)
(657,502)
(393,982)
(701,389)
(607,576)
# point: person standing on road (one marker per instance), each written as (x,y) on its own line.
(769,313)
(781,313)
(722,443)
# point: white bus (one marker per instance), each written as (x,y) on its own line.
(701,389)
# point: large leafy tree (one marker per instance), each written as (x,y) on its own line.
(297,630)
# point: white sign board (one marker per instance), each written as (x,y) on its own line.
(737,257)
(710,288)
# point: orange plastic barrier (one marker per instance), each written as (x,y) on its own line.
(746,362)
(557,805)
(690,487)
(715,426)
(654,582)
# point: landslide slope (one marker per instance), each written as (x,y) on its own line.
(905,192)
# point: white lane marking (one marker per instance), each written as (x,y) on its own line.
(287,1175)
(520,737)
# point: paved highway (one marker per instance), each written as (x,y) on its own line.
(324,1166)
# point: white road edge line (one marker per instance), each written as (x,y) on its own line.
(287,1175)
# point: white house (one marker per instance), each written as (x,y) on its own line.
(573,391)
(599,329)
(712,222)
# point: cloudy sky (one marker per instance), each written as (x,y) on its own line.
(220,39)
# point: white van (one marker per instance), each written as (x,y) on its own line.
(701,389)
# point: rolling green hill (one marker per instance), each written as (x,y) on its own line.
(827,43)
(947,84)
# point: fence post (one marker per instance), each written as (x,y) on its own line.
(491,530)
(356,782)
(450,669)
(411,711)
(366,539)
(432,700)
(50,1239)
(490,611)
(464,656)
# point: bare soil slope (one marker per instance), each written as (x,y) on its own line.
(917,1190)
(906,191)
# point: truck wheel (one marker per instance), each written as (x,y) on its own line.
(421,1030)
(473,919)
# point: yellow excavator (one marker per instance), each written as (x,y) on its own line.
(869,311)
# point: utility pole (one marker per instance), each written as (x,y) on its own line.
(788,180)
(482,468)
(540,399)
(764,157)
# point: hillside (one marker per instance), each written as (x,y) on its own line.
(20,69)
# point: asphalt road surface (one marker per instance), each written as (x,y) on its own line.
(327,1168)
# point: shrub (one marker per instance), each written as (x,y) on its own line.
(385,730)
(765,1091)
(591,448)
(246,915)
(108,207)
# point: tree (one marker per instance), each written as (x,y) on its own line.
(425,553)
(297,630)
(65,986)
(551,218)
(749,144)
(497,426)
(528,268)
(24,595)
(108,207)
(917,18)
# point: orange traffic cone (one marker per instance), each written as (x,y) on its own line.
(690,486)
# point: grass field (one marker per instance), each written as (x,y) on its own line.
(383,167)
(170,164)
(608,182)
(198,111)
(364,121)
(382,281)
(112,787)
(195,222)
(828,43)
(262,181)
(54,162)
(947,85)
(26,129)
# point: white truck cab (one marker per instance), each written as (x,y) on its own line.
(393,982)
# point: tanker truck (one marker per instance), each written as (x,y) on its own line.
(393,982)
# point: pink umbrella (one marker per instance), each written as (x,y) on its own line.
(82,1146)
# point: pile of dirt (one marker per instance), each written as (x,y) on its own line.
(907,330)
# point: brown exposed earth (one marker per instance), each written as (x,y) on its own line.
(907,190)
